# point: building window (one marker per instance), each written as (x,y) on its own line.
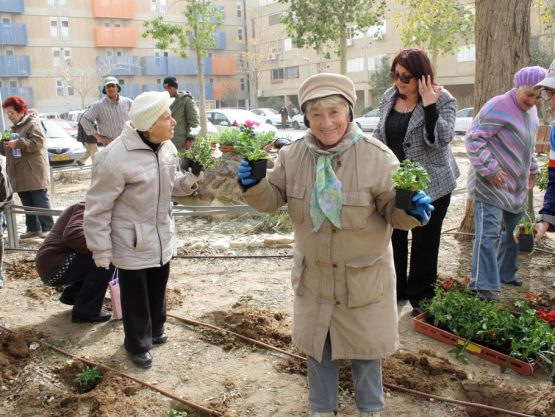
(13,84)
(59,88)
(377,31)
(355,65)
(287,44)
(53,27)
(466,53)
(6,20)
(56,53)
(353,33)
(277,74)
(240,34)
(274,19)
(242,84)
(239,9)
(153,5)
(57,3)
(9,52)
(375,62)
(65,26)
(291,73)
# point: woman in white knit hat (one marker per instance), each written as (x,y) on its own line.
(127,218)
(337,184)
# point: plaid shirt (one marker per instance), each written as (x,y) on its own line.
(436,157)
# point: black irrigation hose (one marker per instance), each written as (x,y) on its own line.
(131,377)
(385,384)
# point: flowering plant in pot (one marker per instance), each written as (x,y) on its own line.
(408,179)
(523,334)
(250,145)
(201,156)
(7,135)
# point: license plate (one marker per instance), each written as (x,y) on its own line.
(60,158)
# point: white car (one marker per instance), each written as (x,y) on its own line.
(369,121)
(298,121)
(210,129)
(62,148)
(270,116)
(226,118)
(463,120)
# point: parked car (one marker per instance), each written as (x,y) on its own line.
(62,148)
(270,116)
(69,127)
(298,121)
(369,121)
(210,129)
(463,120)
(226,118)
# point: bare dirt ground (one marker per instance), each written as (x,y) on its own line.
(253,297)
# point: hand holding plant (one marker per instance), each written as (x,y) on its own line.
(410,176)
(203,153)
(7,135)
(250,144)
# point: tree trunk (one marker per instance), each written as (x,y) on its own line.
(202,94)
(502,48)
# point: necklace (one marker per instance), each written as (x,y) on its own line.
(407,108)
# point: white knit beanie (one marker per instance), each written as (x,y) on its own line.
(147,108)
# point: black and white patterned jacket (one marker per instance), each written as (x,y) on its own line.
(436,157)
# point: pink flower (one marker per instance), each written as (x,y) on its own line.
(251,123)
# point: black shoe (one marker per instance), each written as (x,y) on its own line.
(104,315)
(159,340)
(142,359)
(67,299)
(516,283)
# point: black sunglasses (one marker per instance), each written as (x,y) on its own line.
(405,78)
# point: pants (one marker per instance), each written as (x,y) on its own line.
(323,380)
(85,283)
(495,252)
(90,150)
(424,251)
(36,198)
(143,305)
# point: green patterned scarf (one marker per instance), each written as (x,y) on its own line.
(326,200)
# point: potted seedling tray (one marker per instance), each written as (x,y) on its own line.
(421,325)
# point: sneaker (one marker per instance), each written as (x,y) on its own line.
(485,294)
(142,359)
(516,283)
(29,235)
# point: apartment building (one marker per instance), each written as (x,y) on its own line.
(283,67)
(55,53)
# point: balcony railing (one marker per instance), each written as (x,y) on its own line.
(12,6)
(13,34)
(112,37)
(25,92)
(15,66)
(164,65)
(114,9)
(118,65)
(131,90)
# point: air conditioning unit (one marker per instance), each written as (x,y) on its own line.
(349,42)
(272,57)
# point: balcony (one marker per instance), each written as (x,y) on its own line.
(25,92)
(220,38)
(15,66)
(13,34)
(118,65)
(193,89)
(223,65)
(114,9)
(12,6)
(153,87)
(164,65)
(131,90)
(225,88)
(111,37)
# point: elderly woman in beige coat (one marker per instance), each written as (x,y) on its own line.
(337,184)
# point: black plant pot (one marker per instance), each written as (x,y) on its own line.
(187,163)
(403,199)
(526,243)
(258,169)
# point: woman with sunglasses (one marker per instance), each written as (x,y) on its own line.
(417,122)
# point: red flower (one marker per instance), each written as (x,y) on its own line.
(448,284)
(532,298)
(251,123)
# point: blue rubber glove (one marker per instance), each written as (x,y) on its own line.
(244,172)
(422,207)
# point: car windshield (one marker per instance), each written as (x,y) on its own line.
(241,116)
(54,130)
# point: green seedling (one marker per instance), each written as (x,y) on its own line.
(88,379)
